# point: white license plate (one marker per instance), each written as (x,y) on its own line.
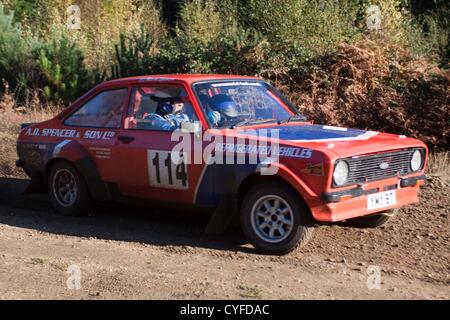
(381,200)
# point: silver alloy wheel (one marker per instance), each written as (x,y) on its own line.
(272,218)
(65,187)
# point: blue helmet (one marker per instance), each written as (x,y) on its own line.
(225,105)
(164,108)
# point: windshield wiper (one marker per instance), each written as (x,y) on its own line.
(295,117)
(251,121)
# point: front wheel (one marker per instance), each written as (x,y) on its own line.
(274,219)
(67,190)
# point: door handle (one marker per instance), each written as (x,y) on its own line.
(125,139)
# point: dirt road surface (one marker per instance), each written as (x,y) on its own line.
(129,253)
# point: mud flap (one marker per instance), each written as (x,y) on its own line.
(223,217)
(36,185)
(98,188)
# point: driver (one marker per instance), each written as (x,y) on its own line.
(225,106)
(168,117)
(213,116)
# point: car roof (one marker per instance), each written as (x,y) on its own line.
(187,78)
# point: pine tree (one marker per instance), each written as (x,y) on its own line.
(133,54)
(62,69)
(13,50)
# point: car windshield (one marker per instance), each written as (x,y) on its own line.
(237,103)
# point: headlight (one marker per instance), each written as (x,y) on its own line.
(416,160)
(340,173)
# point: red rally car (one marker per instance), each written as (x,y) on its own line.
(232,144)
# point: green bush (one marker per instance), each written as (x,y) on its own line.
(61,71)
(133,54)
(429,36)
(424,34)
(14,50)
(208,39)
(315,25)
(240,51)
(202,44)
(200,21)
(268,39)
(255,37)
(192,49)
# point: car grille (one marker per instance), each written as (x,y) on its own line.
(380,166)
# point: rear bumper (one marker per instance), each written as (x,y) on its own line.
(352,203)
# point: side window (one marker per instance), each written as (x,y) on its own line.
(161,108)
(103,111)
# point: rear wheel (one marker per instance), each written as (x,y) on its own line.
(274,219)
(371,221)
(67,190)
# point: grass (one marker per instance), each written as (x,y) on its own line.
(249,292)
(439,165)
(12,115)
(59,266)
(38,260)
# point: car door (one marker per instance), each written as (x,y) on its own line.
(98,122)
(152,167)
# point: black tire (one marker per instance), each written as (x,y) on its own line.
(371,221)
(79,202)
(300,229)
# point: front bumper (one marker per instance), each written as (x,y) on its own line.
(352,203)
(359,191)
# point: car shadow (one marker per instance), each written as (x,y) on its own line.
(114,222)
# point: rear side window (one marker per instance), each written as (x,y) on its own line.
(103,111)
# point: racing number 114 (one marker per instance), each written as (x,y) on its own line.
(165,172)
